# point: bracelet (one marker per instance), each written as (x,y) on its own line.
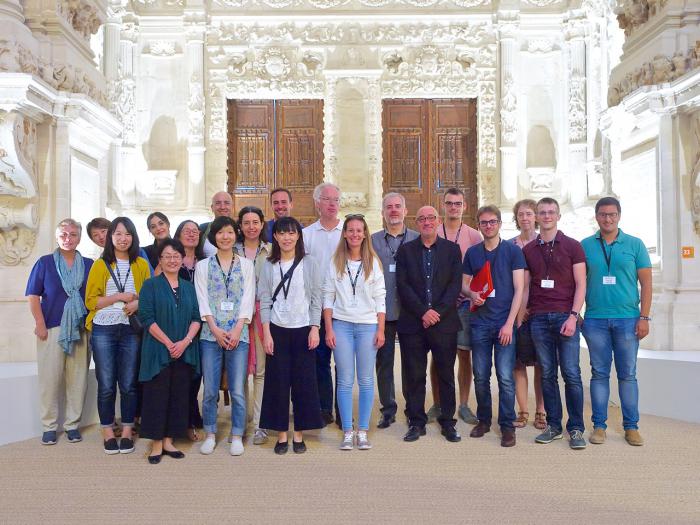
(644,318)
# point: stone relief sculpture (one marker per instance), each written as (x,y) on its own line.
(695,174)
(81,16)
(509,111)
(577,110)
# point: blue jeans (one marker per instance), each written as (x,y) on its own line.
(213,357)
(354,344)
(554,349)
(484,342)
(115,349)
(607,338)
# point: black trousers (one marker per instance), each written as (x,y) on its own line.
(414,362)
(166,402)
(195,417)
(291,367)
(385,370)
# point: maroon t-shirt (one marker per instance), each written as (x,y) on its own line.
(554,261)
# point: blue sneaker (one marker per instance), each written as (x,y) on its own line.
(74,436)
(48,438)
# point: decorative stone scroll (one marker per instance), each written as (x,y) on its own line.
(509,112)
(577,109)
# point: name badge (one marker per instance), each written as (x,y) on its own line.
(353,302)
(119,304)
(493,293)
(284,307)
(392,268)
(609,279)
(547,283)
(226,306)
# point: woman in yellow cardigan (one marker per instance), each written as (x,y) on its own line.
(111,297)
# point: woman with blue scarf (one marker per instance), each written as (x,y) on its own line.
(56,293)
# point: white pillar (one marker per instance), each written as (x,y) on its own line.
(329,158)
(576,184)
(508,31)
(374,131)
(196,184)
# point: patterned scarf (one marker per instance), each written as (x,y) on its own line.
(74,310)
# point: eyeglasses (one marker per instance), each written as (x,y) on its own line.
(545,213)
(614,215)
(457,204)
(334,200)
(174,257)
(354,216)
(426,218)
(190,231)
(492,222)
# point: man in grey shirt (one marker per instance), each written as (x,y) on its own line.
(386,243)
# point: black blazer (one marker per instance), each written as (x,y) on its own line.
(447,283)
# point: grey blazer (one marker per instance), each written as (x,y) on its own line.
(312,286)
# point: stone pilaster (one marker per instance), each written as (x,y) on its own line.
(508,26)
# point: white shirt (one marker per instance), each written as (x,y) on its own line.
(114,313)
(368,300)
(320,243)
(295,313)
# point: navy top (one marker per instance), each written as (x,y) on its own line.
(504,259)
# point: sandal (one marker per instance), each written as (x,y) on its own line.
(540,420)
(521,421)
(192,434)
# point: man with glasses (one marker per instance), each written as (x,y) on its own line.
(281,201)
(555,286)
(453,229)
(320,241)
(221,206)
(492,324)
(616,262)
(386,243)
(428,276)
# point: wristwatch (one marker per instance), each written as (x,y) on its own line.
(574,313)
(644,318)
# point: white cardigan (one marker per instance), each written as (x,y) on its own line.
(201,277)
(370,295)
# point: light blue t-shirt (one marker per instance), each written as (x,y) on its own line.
(627,254)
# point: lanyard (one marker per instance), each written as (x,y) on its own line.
(257,252)
(121,285)
(444,232)
(288,278)
(357,276)
(546,259)
(386,240)
(227,278)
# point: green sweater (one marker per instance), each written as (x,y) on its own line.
(157,305)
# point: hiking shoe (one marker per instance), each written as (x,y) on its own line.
(49,438)
(549,435)
(433,413)
(111,446)
(208,445)
(126,446)
(466,415)
(598,436)
(633,437)
(236,446)
(348,440)
(362,441)
(74,436)
(260,437)
(576,440)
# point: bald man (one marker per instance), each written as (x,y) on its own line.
(221,206)
(428,277)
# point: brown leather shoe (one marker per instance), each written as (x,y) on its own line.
(480,429)
(507,437)
(633,437)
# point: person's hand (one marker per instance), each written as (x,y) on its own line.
(314,338)
(641,330)
(430,318)
(42,332)
(268,345)
(177,349)
(220,336)
(131,308)
(330,339)
(233,337)
(569,327)
(379,339)
(476,298)
(505,334)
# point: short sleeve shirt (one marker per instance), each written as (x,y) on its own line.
(45,282)
(465,237)
(627,255)
(552,261)
(504,260)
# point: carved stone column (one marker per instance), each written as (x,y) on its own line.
(329,157)
(508,26)
(575,185)
(374,141)
(196,184)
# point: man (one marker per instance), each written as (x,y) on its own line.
(616,262)
(320,242)
(222,206)
(556,284)
(428,279)
(281,200)
(492,322)
(453,229)
(386,243)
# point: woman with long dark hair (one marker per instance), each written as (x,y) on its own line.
(290,310)
(159,226)
(112,297)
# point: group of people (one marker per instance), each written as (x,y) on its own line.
(225,300)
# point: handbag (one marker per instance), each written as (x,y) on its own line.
(134,321)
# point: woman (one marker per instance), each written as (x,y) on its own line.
(524,215)
(225,285)
(111,297)
(353,312)
(170,352)
(56,293)
(97,231)
(251,223)
(290,310)
(159,226)
(188,234)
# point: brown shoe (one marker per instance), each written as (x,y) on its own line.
(481,428)
(633,437)
(507,437)
(598,436)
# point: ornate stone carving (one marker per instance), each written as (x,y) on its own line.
(333,4)
(162,48)
(509,111)
(217,114)
(577,109)
(195,110)
(540,45)
(272,63)
(123,106)
(541,3)
(634,13)
(695,174)
(17,58)
(81,15)
(16,244)
(353,200)
(487,126)
(329,155)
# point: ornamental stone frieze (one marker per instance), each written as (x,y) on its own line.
(82,16)
(634,13)
(334,4)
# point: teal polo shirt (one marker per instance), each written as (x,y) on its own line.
(627,254)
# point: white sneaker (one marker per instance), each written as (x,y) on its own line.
(236,446)
(348,440)
(362,441)
(208,445)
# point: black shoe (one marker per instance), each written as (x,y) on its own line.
(111,446)
(414,433)
(299,447)
(154,460)
(126,446)
(175,454)
(327,417)
(451,434)
(281,448)
(507,437)
(386,421)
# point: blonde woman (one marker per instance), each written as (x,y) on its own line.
(353,312)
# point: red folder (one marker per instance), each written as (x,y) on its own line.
(482,283)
